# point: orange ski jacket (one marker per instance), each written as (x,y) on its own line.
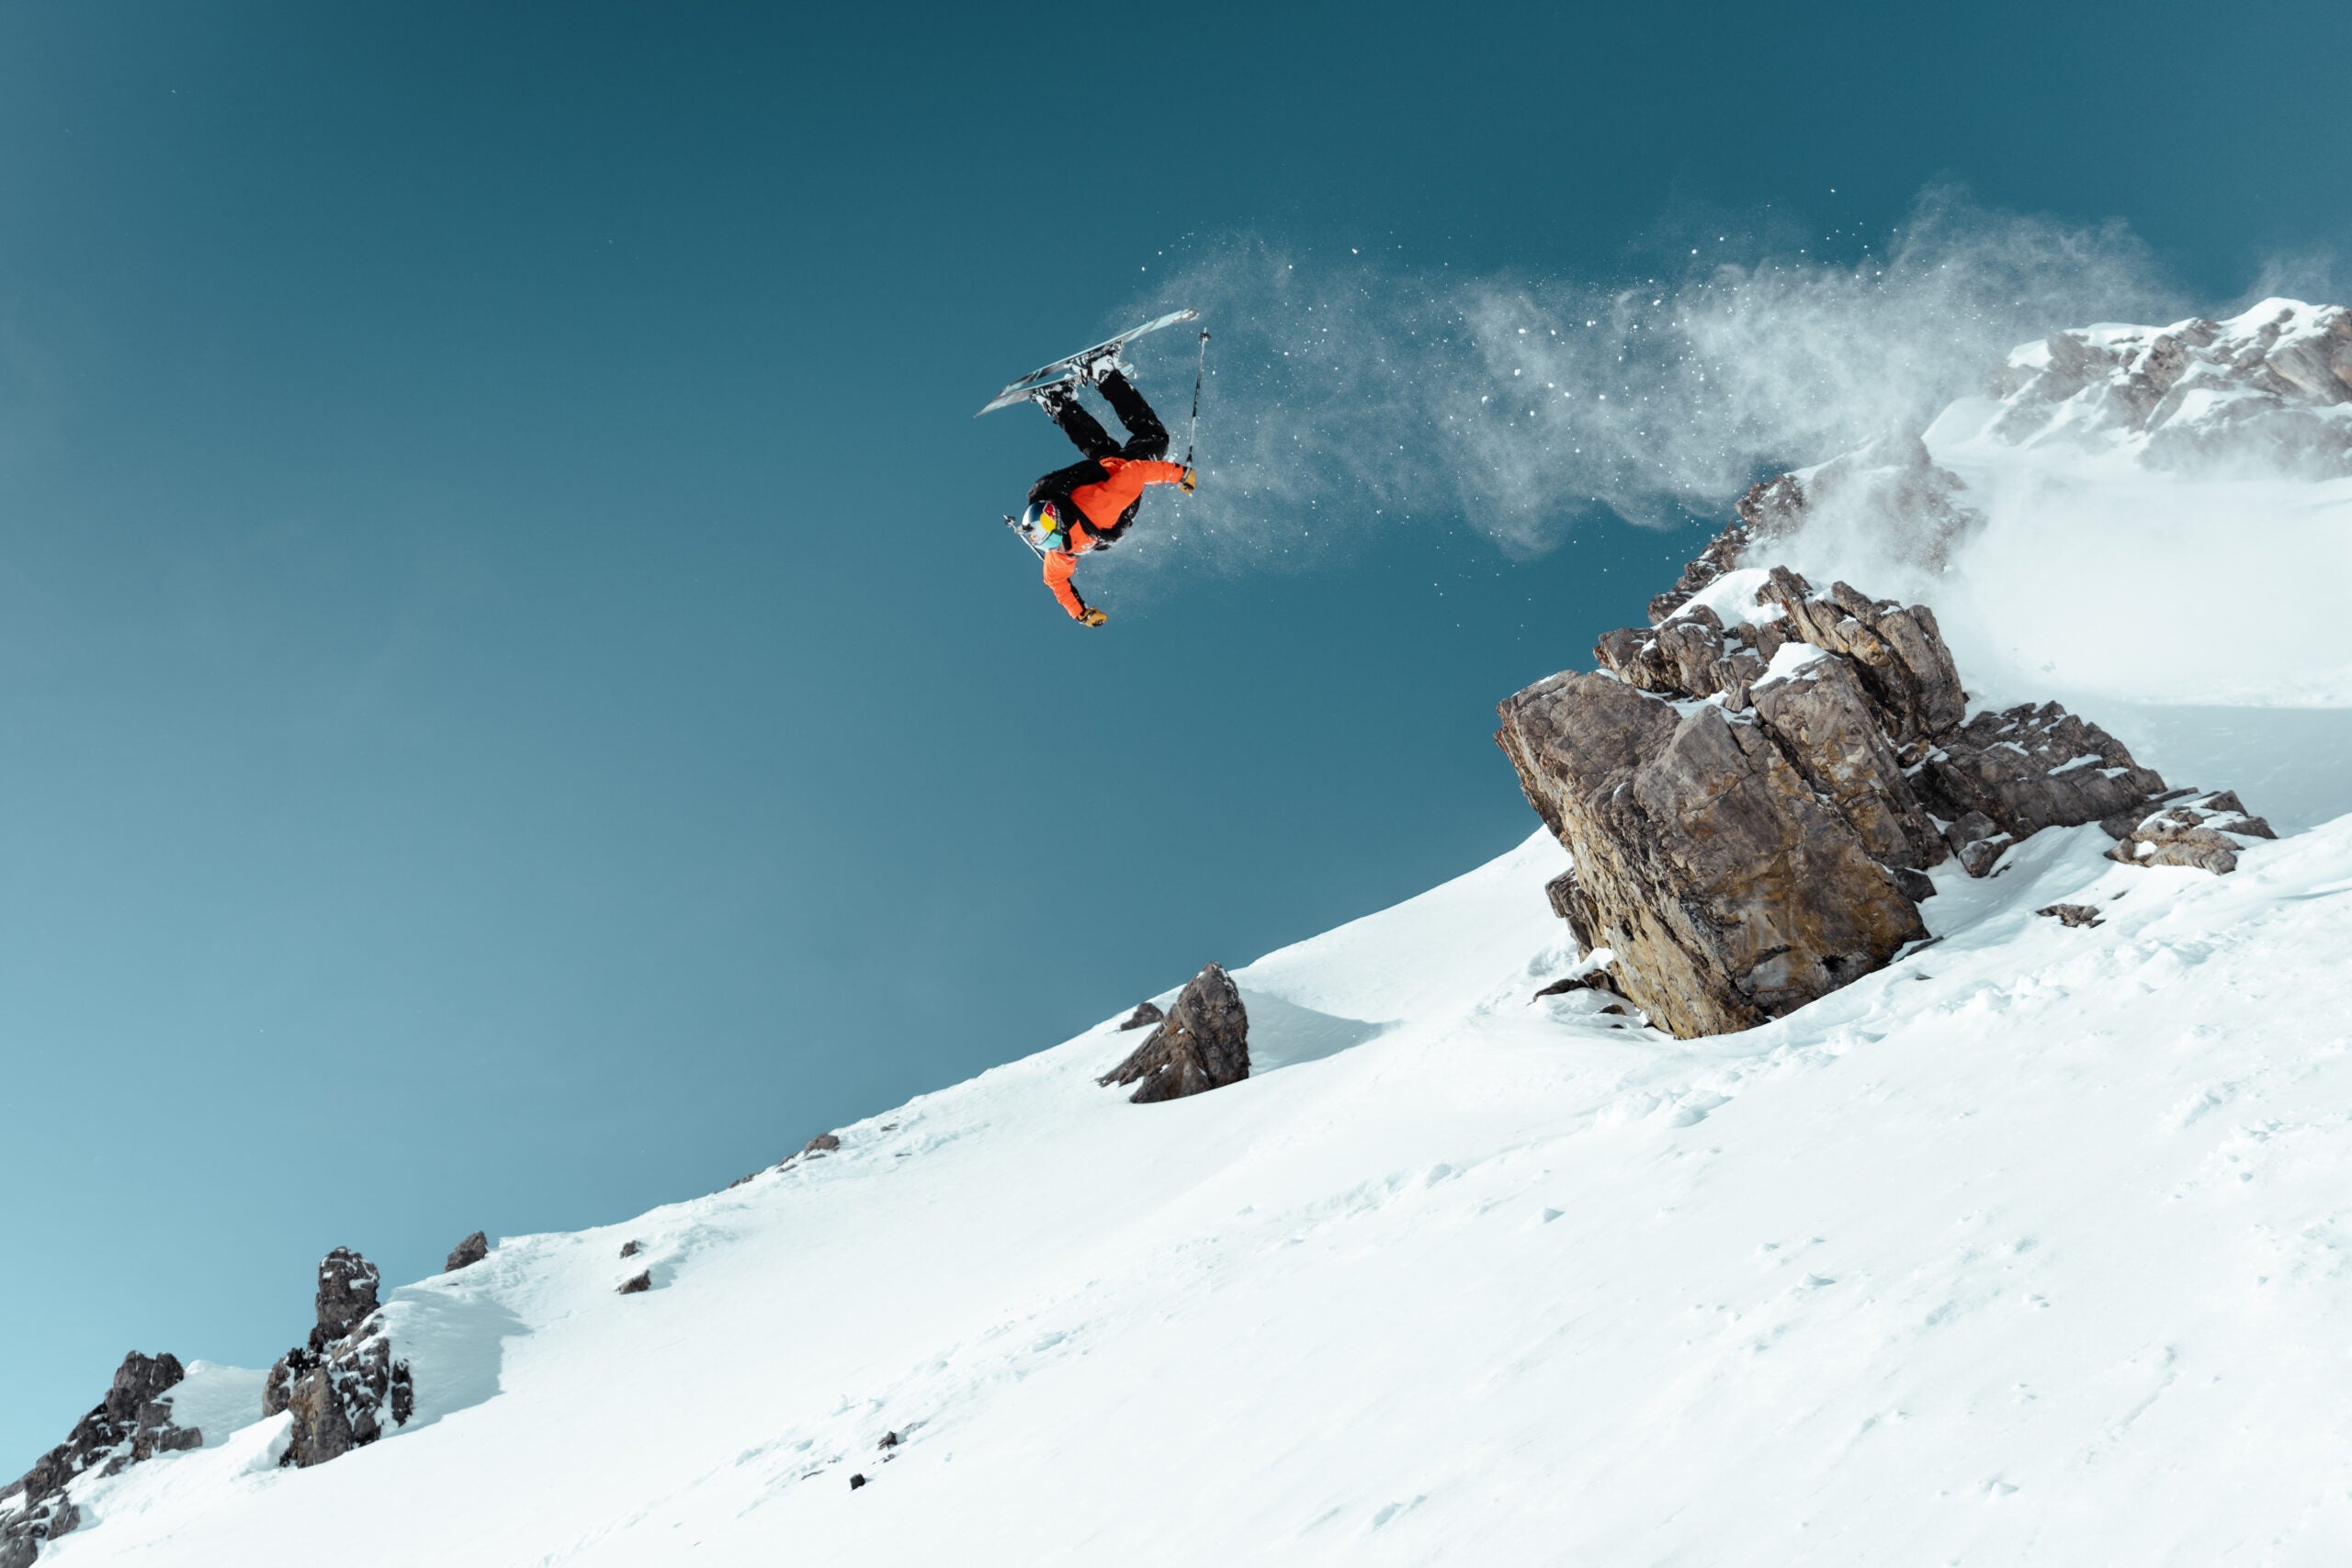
(1104,508)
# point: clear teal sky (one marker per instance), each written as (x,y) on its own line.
(516,705)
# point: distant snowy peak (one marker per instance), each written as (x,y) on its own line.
(2271,387)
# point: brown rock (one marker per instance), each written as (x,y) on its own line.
(637,1284)
(1145,1013)
(1824,722)
(1728,890)
(1898,649)
(2072,914)
(2028,768)
(823,1143)
(132,1424)
(340,1405)
(346,1295)
(1202,1044)
(467,1253)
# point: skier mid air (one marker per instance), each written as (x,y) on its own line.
(1089,504)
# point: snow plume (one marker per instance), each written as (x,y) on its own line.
(1346,391)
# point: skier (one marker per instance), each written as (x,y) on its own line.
(1089,504)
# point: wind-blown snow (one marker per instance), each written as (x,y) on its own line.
(2032,1249)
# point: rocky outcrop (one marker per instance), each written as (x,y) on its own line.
(131,1424)
(343,1383)
(2206,831)
(1753,809)
(1204,1044)
(467,1253)
(343,1400)
(1891,478)
(1729,891)
(1145,1015)
(2027,767)
(637,1283)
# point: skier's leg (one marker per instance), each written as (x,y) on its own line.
(1085,432)
(1147,437)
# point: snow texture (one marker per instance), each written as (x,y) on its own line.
(2034,1247)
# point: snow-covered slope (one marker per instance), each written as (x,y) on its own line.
(2158,515)
(2034,1247)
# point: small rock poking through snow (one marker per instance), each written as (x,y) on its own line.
(1202,1044)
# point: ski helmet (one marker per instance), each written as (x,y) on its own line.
(1044,527)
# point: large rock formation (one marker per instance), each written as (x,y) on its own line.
(344,1380)
(1202,1044)
(132,1423)
(1752,810)
(1729,891)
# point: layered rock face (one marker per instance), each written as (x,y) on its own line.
(343,1382)
(1752,810)
(1202,1044)
(132,1423)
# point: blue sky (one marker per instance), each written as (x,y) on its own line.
(518,708)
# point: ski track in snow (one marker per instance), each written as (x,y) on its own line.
(2034,1247)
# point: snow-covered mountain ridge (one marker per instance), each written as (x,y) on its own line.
(2031,1248)
(2114,499)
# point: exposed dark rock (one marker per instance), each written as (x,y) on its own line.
(2072,914)
(637,1284)
(1722,554)
(628,1249)
(131,1424)
(2028,768)
(467,1253)
(1896,649)
(1145,1013)
(1825,726)
(1729,891)
(1751,827)
(340,1405)
(1202,1044)
(823,1143)
(289,1369)
(344,1383)
(346,1295)
(855,1482)
(889,1440)
(2206,831)
(1597,980)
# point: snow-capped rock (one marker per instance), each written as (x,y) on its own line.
(346,1385)
(134,1422)
(2267,390)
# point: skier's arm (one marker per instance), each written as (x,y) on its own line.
(1159,473)
(1059,564)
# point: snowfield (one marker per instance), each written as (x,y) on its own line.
(2035,1248)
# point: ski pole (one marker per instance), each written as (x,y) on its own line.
(1014,524)
(1192,435)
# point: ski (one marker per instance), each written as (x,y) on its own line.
(1064,369)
